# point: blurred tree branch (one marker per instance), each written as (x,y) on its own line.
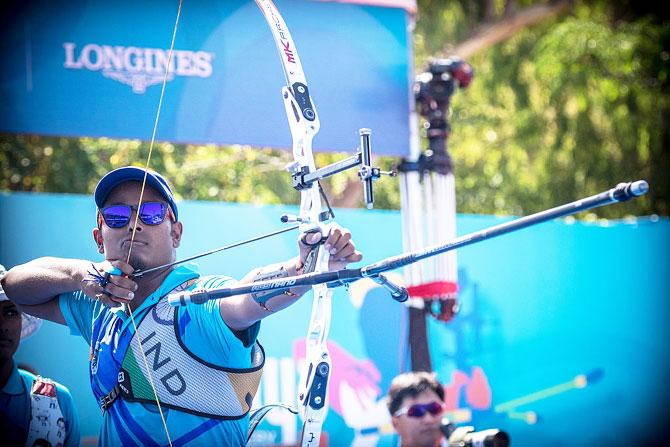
(496,29)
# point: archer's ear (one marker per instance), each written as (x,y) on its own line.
(394,422)
(97,237)
(176,232)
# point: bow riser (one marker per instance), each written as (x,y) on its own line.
(302,133)
(304,125)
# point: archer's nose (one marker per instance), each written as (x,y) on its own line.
(130,226)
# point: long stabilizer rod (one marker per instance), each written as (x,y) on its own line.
(620,193)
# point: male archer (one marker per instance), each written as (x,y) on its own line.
(202,362)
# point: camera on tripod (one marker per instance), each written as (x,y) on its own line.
(466,436)
(433,90)
(434,87)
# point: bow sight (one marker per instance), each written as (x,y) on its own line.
(303,178)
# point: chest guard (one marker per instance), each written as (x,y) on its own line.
(184,381)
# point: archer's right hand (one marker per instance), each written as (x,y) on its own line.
(109,282)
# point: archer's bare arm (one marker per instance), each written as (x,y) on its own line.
(35,286)
(242,311)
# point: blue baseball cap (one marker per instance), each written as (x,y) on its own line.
(133,173)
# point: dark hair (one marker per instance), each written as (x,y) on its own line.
(411,385)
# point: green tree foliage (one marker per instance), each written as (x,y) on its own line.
(561,110)
(229,173)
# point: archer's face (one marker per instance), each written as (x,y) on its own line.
(10,330)
(423,431)
(153,245)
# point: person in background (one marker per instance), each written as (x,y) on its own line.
(33,410)
(416,402)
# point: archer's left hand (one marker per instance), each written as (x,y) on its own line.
(338,243)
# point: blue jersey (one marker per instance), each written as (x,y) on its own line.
(15,410)
(203,332)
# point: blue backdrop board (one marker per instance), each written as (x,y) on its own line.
(562,338)
(95,68)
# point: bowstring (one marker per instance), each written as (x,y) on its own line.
(137,215)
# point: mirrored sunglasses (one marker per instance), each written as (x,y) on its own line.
(118,216)
(418,410)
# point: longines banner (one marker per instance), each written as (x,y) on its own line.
(95,68)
